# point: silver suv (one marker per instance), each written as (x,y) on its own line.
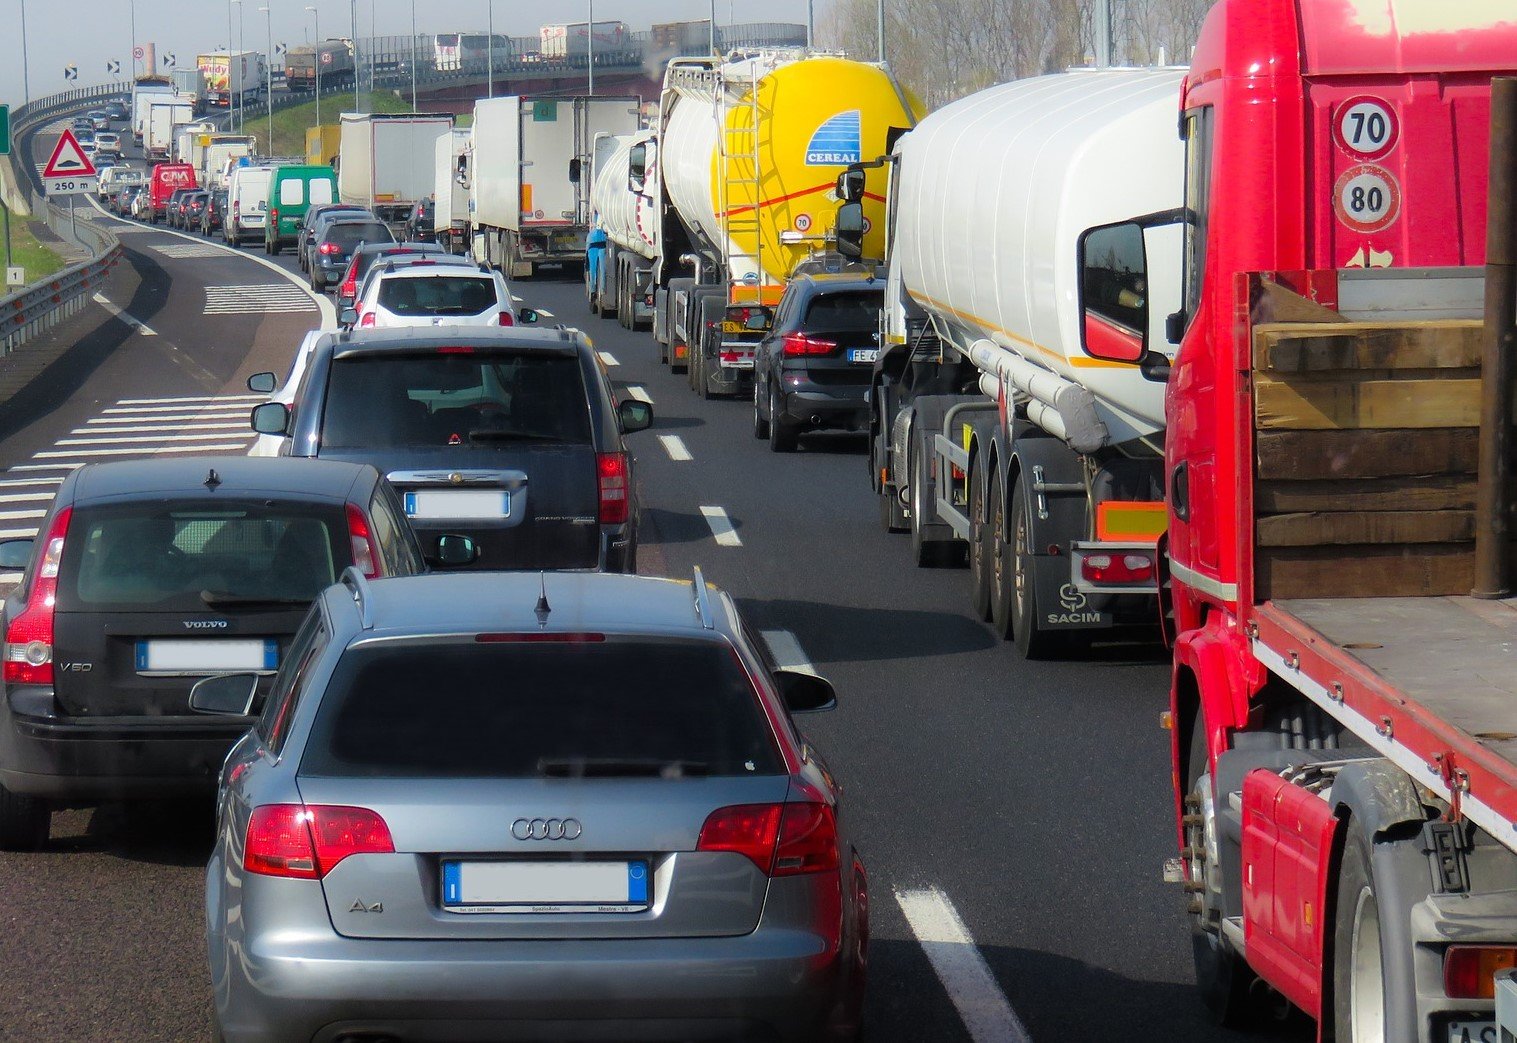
(498,806)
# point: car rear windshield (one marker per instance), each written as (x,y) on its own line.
(439,399)
(629,707)
(185,557)
(438,295)
(855,312)
(348,234)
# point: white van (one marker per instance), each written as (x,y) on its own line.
(247,203)
(114,179)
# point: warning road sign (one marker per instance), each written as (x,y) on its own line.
(68,159)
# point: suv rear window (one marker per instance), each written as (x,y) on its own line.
(854,312)
(437,295)
(379,402)
(524,710)
(163,557)
(350,233)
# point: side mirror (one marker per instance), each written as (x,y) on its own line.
(15,555)
(262,383)
(348,317)
(634,415)
(528,316)
(850,230)
(228,695)
(574,169)
(454,552)
(271,418)
(850,188)
(637,167)
(1114,292)
(806,692)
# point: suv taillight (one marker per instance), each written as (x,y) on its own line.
(29,638)
(781,839)
(365,550)
(306,841)
(507,319)
(795,344)
(611,469)
(366,320)
(328,249)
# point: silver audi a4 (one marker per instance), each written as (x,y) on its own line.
(505,806)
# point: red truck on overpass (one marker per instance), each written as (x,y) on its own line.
(1343,713)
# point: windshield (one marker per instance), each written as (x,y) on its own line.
(614,707)
(455,399)
(164,557)
(437,295)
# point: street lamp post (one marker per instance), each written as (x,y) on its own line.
(26,77)
(413,55)
(316,32)
(242,45)
(132,43)
(490,50)
(268,96)
(358,96)
(590,45)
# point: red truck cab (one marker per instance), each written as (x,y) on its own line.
(1345,793)
(166,179)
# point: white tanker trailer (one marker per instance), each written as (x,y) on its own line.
(1023,220)
(739,177)
(623,281)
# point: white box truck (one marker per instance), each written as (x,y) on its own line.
(572,39)
(241,76)
(529,176)
(164,113)
(451,218)
(388,162)
(218,150)
(144,90)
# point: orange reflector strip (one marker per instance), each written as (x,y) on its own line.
(1130,521)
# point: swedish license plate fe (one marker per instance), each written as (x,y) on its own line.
(1473,1032)
(458,504)
(207,655)
(863,354)
(545,887)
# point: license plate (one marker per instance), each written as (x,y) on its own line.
(459,504)
(863,354)
(545,887)
(207,656)
(1473,1032)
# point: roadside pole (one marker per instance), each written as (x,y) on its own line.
(7,212)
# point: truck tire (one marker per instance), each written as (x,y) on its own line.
(1033,640)
(24,821)
(1358,978)
(980,550)
(927,553)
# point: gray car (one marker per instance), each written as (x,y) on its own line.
(570,806)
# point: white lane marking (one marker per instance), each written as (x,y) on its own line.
(145,439)
(255,299)
(787,651)
(209,411)
(609,359)
(544,313)
(166,428)
(22,483)
(193,419)
(140,326)
(675,447)
(324,305)
(183,401)
(17,534)
(950,948)
(19,515)
(69,466)
(180,252)
(24,497)
(640,393)
(721,527)
(145,450)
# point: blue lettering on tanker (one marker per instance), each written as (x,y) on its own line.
(837,142)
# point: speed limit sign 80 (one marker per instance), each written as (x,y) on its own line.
(1367,198)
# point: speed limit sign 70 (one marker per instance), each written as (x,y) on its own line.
(1366,127)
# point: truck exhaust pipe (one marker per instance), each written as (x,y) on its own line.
(1497,364)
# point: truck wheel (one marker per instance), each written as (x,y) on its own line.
(783,436)
(1033,641)
(928,554)
(980,550)
(24,821)
(1358,974)
(760,424)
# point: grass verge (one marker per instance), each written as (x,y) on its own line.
(290,124)
(38,259)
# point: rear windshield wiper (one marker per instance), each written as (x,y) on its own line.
(493,435)
(592,767)
(222,598)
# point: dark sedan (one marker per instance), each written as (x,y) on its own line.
(332,248)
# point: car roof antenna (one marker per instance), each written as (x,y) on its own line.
(543,608)
(212,479)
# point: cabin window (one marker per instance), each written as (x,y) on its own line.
(1199,135)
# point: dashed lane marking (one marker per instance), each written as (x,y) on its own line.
(181,401)
(787,651)
(186,250)
(19,515)
(147,440)
(609,359)
(18,534)
(140,326)
(27,497)
(130,428)
(26,482)
(144,450)
(69,466)
(951,950)
(721,527)
(640,393)
(255,299)
(675,447)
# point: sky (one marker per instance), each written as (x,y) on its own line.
(89,33)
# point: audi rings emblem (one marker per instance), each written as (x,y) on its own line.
(546,829)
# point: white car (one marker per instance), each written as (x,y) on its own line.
(108,143)
(427,293)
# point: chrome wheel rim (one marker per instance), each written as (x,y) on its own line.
(1366,983)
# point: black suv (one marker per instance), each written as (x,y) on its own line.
(308,222)
(511,437)
(331,243)
(421,222)
(813,367)
(148,575)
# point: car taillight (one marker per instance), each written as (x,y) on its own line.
(507,319)
(307,841)
(781,839)
(274,214)
(796,344)
(365,551)
(612,471)
(366,319)
(328,249)
(1117,568)
(29,638)
(1469,971)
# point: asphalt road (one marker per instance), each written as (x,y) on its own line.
(1029,801)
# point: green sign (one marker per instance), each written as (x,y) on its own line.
(5,130)
(542,112)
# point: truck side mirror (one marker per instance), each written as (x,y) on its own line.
(850,186)
(637,167)
(1114,292)
(850,229)
(574,166)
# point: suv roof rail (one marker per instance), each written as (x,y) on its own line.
(702,602)
(484,266)
(355,581)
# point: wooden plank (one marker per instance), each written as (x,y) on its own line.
(1355,405)
(1274,303)
(1317,347)
(1336,528)
(1364,572)
(1309,455)
(1440,493)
